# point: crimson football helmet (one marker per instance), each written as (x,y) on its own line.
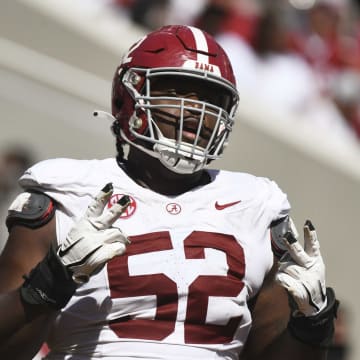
(173,51)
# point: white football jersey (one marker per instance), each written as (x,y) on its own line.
(181,289)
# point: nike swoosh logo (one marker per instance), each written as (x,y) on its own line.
(224,206)
(62,252)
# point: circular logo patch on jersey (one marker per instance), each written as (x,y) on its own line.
(173,208)
(129,210)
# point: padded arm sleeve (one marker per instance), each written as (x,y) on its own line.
(31,209)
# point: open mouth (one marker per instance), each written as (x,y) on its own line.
(190,128)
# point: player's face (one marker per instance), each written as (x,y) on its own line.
(168,119)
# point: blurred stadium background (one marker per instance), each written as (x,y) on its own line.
(56,65)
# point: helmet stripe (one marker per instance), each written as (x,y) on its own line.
(201,44)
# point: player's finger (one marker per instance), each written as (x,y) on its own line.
(296,251)
(96,261)
(311,243)
(292,270)
(109,217)
(114,234)
(285,281)
(109,251)
(97,206)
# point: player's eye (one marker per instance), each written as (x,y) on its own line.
(166,92)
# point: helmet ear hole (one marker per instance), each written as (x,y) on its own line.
(115,128)
(117,100)
(118,103)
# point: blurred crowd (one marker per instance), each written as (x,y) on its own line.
(301,57)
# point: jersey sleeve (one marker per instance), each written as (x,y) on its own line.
(64,180)
(56,175)
(278,209)
(277,200)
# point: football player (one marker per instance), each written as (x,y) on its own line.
(151,254)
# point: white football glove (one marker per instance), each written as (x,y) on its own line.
(93,240)
(302,273)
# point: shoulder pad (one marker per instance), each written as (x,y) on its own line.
(31,209)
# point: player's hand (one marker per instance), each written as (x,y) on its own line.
(93,240)
(302,273)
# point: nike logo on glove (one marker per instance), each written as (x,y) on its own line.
(62,252)
(224,206)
